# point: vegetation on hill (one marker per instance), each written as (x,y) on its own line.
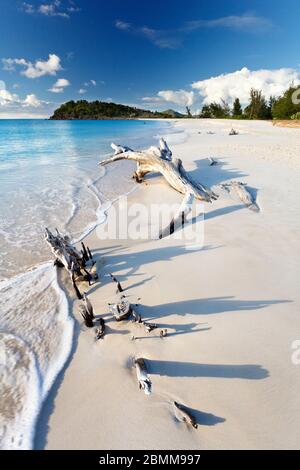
(83,109)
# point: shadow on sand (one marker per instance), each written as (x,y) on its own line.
(206,306)
(192,369)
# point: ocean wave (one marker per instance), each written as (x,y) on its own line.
(35,342)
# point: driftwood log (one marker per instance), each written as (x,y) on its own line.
(136,316)
(160,160)
(114,279)
(79,264)
(238,189)
(149,326)
(87,317)
(101,330)
(142,375)
(212,161)
(88,305)
(184,415)
(120,310)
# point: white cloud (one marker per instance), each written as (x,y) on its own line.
(123,25)
(41,68)
(91,82)
(36,70)
(62,83)
(9,64)
(249,22)
(82,91)
(59,85)
(180,97)
(161,38)
(32,100)
(56,90)
(28,8)
(238,84)
(52,8)
(229,86)
(13,106)
(8,99)
(152,99)
(172,38)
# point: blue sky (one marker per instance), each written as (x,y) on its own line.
(157,55)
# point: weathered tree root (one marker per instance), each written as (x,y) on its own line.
(184,415)
(236,188)
(101,330)
(121,310)
(160,160)
(142,375)
(88,305)
(149,326)
(137,318)
(114,279)
(75,262)
(212,161)
(87,317)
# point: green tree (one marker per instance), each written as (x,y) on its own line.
(237,110)
(287,105)
(258,107)
(215,110)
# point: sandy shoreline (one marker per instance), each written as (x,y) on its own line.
(231,310)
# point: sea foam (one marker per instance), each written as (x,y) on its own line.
(35,342)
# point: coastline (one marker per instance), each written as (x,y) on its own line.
(230,324)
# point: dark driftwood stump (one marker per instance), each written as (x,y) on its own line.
(75,262)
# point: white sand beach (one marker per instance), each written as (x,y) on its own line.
(231,310)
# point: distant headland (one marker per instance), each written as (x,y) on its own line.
(94,110)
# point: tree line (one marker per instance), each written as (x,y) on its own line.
(286,106)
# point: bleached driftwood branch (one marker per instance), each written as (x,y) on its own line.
(142,375)
(184,415)
(114,279)
(240,190)
(101,330)
(120,310)
(160,160)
